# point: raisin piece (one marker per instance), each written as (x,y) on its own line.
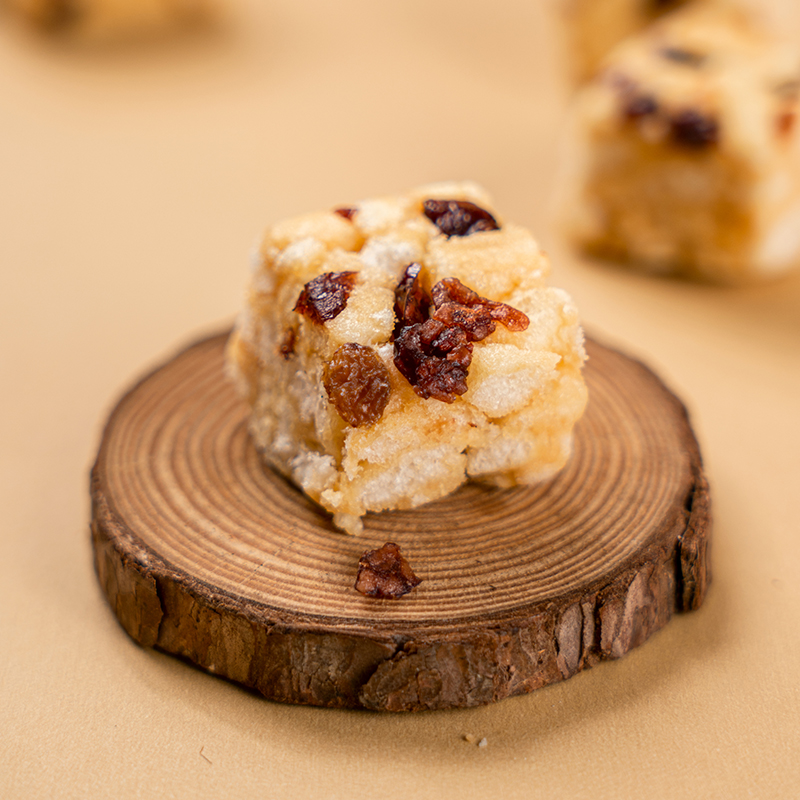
(286,347)
(325,297)
(434,360)
(459,217)
(785,123)
(411,303)
(477,322)
(357,383)
(642,105)
(347,213)
(680,55)
(385,574)
(692,129)
(450,291)
(434,355)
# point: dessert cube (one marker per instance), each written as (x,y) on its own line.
(392,349)
(684,155)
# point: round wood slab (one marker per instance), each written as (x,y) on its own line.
(206,554)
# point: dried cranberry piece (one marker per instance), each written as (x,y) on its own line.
(785,123)
(476,322)
(385,574)
(692,129)
(434,360)
(410,300)
(451,291)
(357,383)
(325,297)
(347,213)
(459,217)
(434,355)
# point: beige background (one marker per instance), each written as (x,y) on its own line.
(132,185)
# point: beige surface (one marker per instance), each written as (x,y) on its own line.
(133,184)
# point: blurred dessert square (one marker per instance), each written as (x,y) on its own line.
(684,150)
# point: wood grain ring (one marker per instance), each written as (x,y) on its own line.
(204,553)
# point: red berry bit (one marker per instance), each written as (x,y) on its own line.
(451,293)
(433,349)
(634,102)
(325,297)
(785,123)
(347,213)
(357,383)
(385,574)
(435,365)
(692,129)
(459,217)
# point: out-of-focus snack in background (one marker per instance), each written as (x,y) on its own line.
(594,27)
(685,150)
(111,20)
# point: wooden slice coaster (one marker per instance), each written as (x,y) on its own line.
(206,554)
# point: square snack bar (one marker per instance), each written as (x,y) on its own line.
(685,151)
(393,349)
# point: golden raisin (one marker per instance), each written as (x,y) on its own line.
(357,383)
(640,105)
(450,294)
(785,123)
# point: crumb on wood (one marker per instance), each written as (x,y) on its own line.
(385,574)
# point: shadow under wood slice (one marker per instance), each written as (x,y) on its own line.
(204,553)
